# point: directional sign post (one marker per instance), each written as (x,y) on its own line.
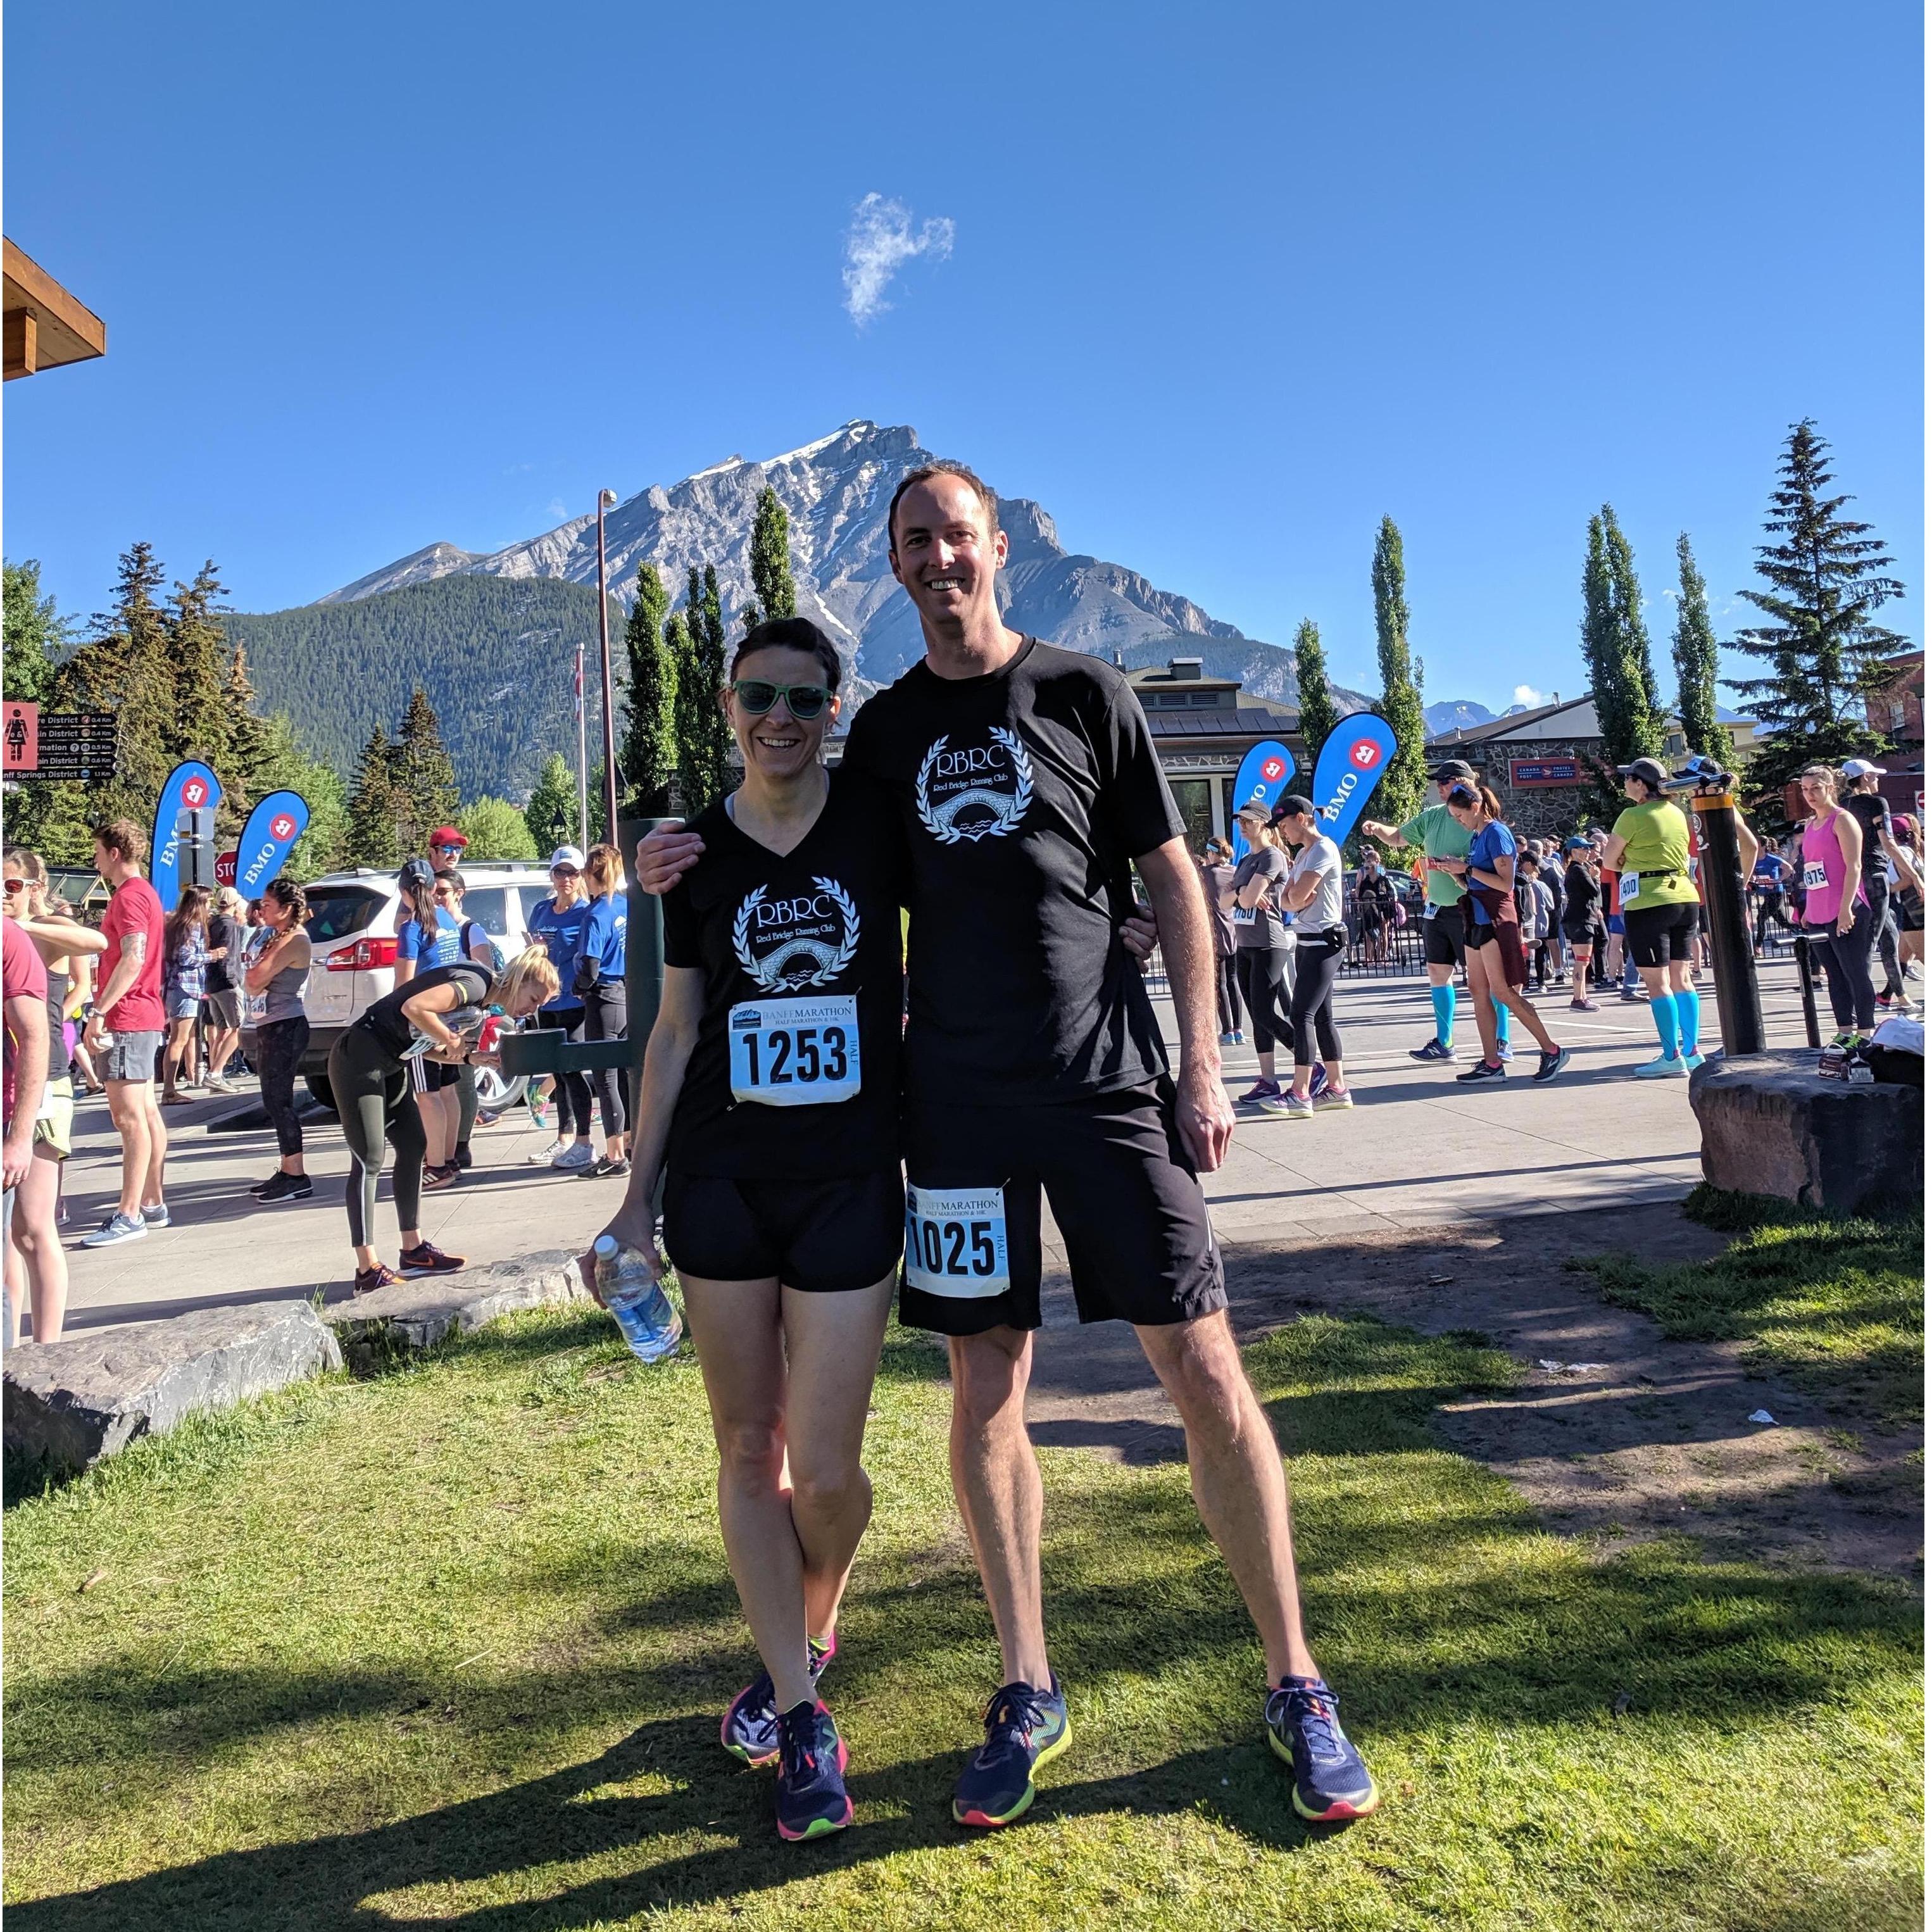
(59,746)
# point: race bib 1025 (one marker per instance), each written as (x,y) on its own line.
(795,1053)
(956,1241)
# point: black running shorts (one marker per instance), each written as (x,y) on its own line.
(822,1237)
(1652,934)
(1442,936)
(1123,1193)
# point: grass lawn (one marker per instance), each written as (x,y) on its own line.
(1837,1304)
(450,1648)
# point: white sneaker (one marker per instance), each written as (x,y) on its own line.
(547,1157)
(578,1153)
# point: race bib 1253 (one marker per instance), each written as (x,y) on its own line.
(956,1241)
(795,1053)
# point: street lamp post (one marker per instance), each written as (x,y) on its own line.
(606,499)
(583,761)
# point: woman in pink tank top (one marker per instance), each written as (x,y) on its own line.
(1837,917)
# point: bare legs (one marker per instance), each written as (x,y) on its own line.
(144,1142)
(789,1375)
(178,1055)
(1234,1463)
(1486,987)
(36,1261)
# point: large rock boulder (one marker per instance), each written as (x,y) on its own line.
(69,1403)
(413,1315)
(1772,1125)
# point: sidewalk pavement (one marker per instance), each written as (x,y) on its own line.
(1418,1151)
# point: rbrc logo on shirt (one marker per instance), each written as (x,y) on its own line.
(808,939)
(974,791)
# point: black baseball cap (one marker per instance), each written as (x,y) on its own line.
(1289,806)
(1648,769)
(1452,768)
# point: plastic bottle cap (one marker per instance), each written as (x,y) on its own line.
(605,1247)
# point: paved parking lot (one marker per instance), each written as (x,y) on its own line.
(1418,1151)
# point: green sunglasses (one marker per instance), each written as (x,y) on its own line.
(804,701)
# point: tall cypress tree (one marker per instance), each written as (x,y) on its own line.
(1693,650)
(687,726)
(711,741)
(1824,575)
(771,558)
(1616,649)
(1402,699)
(647,759)
(425,780)
(1318,715)
(375,806)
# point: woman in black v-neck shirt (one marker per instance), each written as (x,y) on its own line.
(770,1102)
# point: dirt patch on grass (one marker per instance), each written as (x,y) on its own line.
(1629,1437)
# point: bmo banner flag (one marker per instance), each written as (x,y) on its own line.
(1351,765)
(191,787)
(272,829)
(1262,779)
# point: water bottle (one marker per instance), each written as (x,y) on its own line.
(650,1323)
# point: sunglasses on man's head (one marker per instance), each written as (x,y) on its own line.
(804,701)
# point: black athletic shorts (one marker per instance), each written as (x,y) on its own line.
(822,1237)
(1653,933)
(1579,936)
(1124,1195)
(1443,934)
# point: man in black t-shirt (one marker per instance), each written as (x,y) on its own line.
(1028,785)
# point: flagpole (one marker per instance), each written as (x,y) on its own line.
(583,765)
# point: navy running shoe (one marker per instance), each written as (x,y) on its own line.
(812,1800)
(1434,1050)
(1331,1783)
(1024,1727)
(750,1730)
(1483,1069)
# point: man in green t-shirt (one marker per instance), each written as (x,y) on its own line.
(1445,852)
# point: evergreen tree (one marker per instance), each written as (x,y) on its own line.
(771,557)
(551,813)
(496,830)
(1693,650)
(711,741)
(1824,577)
(1318,715)
(750,619)
(35,633)
(376,807)
(202,723)
(124,668)
(1401,785)
(714,610)
(687,718)
(425,780)
(647,759)
(1621,684)
(246,771)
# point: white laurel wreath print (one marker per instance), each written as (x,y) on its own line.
(827,970)
(1007,812)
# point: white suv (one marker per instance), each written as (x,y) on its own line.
(352,930)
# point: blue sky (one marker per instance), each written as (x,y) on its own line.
(1224,283)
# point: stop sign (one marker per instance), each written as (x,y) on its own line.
(224,867)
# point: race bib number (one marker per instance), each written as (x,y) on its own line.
(254,1006)
(1628,887)
(795,1053)
(1244,915)
(1815,881)
(956,1241)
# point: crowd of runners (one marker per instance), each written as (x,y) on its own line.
(834,1109)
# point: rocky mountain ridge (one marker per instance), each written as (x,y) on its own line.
(836,491)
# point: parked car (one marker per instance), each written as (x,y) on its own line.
(352,931)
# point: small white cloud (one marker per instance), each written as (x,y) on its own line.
(1529,695)
(557,508)
(879,241)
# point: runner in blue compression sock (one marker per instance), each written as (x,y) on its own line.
(1443,999)
(1663,1011)
(1687,1020)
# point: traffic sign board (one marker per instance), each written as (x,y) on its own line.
(60,746)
